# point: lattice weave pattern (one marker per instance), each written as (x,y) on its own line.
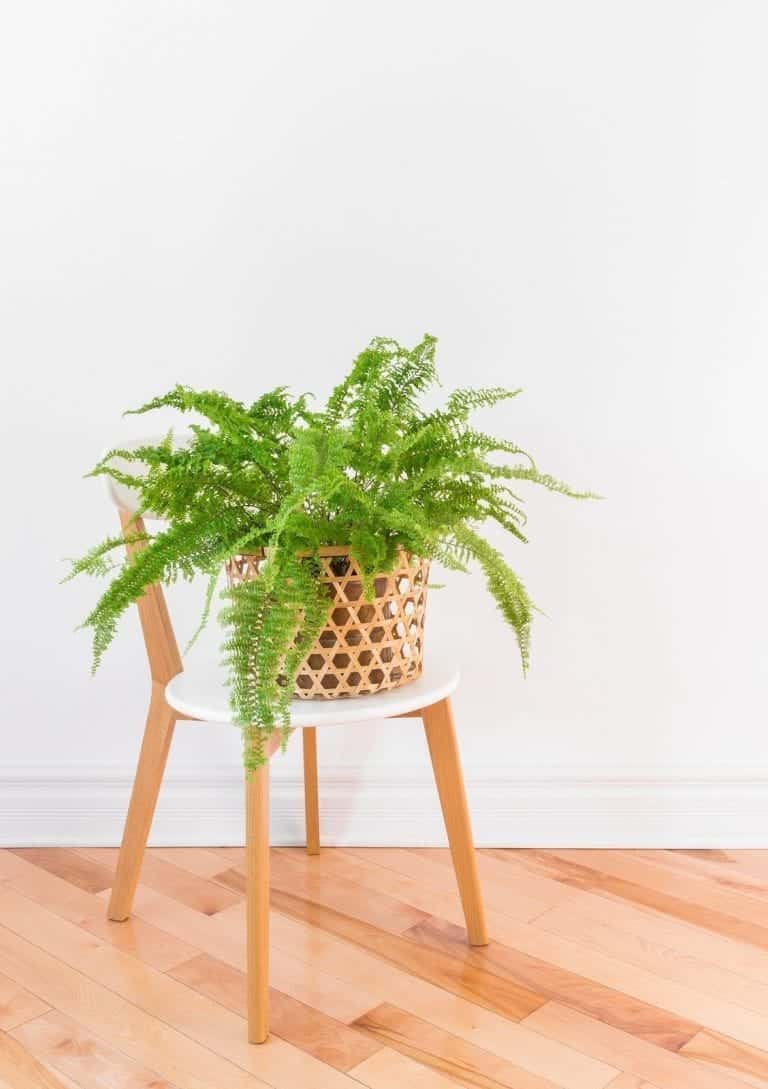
(366,646)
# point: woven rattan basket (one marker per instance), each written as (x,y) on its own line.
(365,646)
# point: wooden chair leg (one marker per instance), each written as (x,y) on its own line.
(257,904)
(446,764)
(158,733)
(311,803)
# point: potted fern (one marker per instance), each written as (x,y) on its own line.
(326,520)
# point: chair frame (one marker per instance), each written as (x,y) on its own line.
(164,664)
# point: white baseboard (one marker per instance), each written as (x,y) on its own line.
(85,806)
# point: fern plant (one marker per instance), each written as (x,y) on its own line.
(371,470)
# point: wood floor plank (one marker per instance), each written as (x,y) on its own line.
(730,875)
(389,1069)
(322,959)
(328,1040)
(663,960)
(544,864)
(522,905)
(665,931)
(357,965)
(201,861)
(495,872)
(17,1005)
(298,878)
(195,1015)
(679,998)
(65,1046)
(345,981)
(665,903)
(430,887)
(573,867)
(608,1003)
(378,879)
(373,878)
(752,861)
(717,1051)
(601,965)
(235,856)
(628,866)
(20,1070)
(455,1014)
(443,969)
(200,894)
(663,1068)
(84,873)
(146,1039)
(466,1063)
(66,1082)
(222,936)
(730,871)
(89,912)
(629,1081)
(674,1041)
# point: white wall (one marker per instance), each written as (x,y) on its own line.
(573,198)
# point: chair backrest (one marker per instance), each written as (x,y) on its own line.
(159,637)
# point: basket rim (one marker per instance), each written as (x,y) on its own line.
(324,550)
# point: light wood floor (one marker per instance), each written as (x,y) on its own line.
(628,969)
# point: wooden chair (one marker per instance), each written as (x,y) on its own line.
(200,693)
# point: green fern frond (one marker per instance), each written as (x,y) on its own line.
(464,401)
(511,596)
(98,561)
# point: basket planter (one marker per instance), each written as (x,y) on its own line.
(365,646)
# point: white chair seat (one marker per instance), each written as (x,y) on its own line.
(201,692)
